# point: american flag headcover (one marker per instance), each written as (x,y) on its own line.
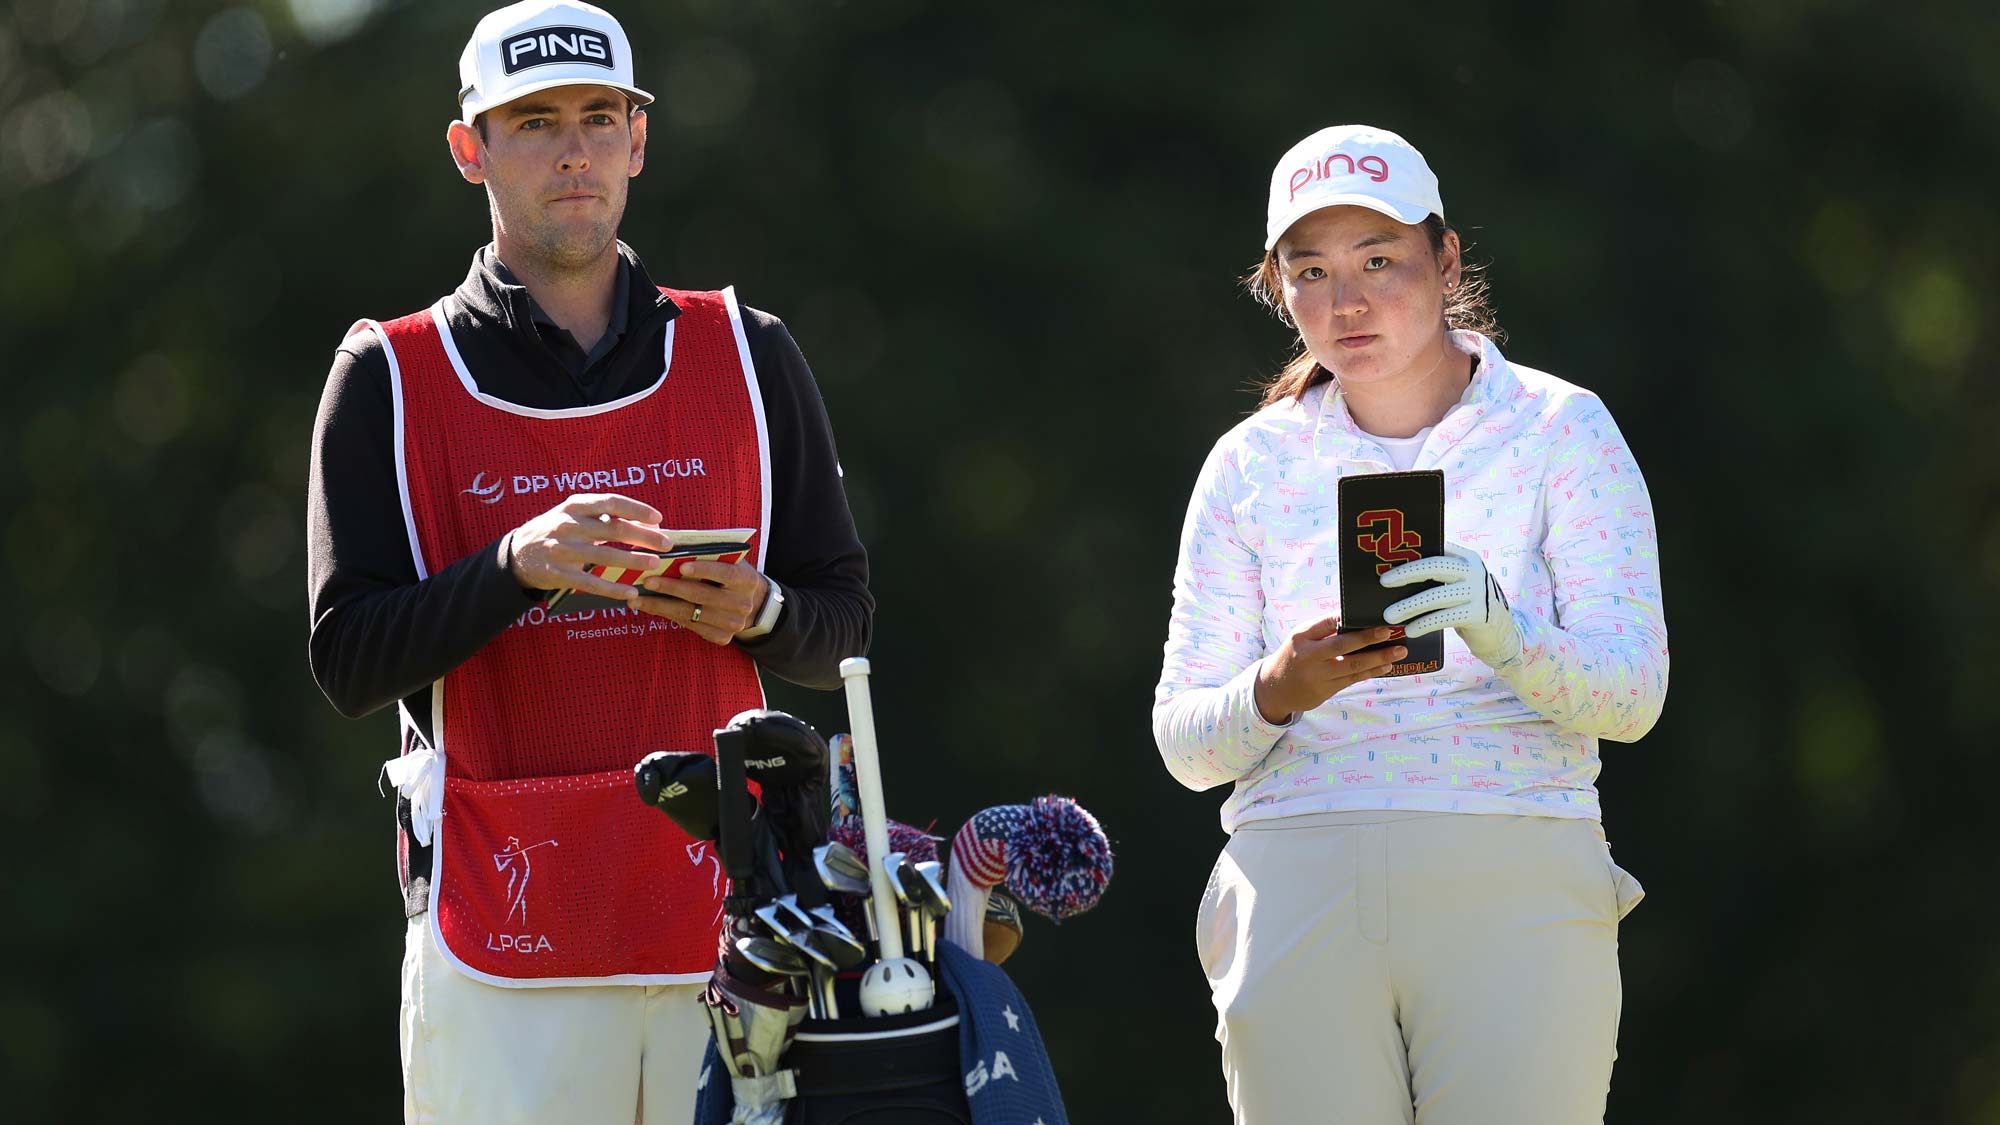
(1051,854)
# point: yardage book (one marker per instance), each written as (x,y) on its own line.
(727,544)
(1387,519)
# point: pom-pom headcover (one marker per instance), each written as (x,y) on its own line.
(1055,855)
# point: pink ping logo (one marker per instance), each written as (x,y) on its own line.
(1375,167)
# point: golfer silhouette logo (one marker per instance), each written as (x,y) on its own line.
(513,859)
(700,853)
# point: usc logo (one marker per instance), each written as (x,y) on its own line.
(1393,544)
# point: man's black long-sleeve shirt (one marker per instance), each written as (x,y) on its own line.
(380,635)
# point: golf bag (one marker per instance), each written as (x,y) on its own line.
(901,1072)
(890,1070)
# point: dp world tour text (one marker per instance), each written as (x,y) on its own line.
(658,472)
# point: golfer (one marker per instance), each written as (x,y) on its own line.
(557,411)
(1416,915)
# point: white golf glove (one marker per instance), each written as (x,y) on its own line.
(1470,601)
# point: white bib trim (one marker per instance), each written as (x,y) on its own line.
(756,409)
(472,388)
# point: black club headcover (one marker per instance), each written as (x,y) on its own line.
(787,758)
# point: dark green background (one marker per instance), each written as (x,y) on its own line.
(1006,236)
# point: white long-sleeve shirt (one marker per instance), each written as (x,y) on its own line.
(1540,482)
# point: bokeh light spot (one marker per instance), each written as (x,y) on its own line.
(233,53)
(43,139)
(326,21)
(156,165)
(1936,319)
(234,778)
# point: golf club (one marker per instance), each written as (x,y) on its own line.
(896,863)
(846,880)
(895,983)
(925,884)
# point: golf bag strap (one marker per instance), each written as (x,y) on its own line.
(765,1089)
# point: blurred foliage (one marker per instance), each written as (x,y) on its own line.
(1006,238)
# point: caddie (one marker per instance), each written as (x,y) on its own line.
(558,411)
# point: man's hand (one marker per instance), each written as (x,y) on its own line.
(1471,602)
(1315,663)
(713,600)
(550,551)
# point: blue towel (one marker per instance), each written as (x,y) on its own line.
(1008,1079)
(713,1100)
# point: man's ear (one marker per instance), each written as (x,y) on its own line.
(468,151)
(638,119)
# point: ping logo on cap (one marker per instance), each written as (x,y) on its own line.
(545,45)
(1374,167)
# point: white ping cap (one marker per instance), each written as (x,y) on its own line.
(539,45)
(1351,165)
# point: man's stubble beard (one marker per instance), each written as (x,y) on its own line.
(553,250)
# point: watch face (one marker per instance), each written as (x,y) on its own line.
(774,603)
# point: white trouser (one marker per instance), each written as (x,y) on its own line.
(1382,968)
(477,1054)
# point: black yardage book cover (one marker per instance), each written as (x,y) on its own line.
(1387,519)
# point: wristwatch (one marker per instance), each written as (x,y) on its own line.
(767,618)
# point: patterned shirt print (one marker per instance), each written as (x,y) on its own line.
(1540,482)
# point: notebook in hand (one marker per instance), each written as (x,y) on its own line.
(1387,519)
(729,544)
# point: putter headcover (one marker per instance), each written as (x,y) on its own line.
(786,757)
(784,750)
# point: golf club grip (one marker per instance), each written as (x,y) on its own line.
(874,818)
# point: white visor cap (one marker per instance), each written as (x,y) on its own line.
(1351,165)
(539,45)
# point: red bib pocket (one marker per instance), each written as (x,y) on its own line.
(524,894)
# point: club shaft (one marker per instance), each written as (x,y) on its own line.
(874,819)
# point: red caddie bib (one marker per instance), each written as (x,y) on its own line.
(546,869)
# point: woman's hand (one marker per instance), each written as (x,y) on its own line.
(1316,663)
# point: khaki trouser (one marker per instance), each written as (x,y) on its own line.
(477,1054)
(1381,968)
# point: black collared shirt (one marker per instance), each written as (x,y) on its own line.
(567,351)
